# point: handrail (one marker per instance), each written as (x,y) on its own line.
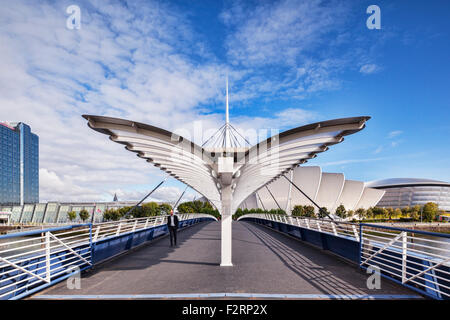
(401,255)
(46,255)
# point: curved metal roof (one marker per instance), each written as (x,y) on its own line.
(196,166)
(403,182)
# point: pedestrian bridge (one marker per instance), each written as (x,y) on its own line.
(273,257)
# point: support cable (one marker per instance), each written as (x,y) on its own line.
(273,198)
(148,195)
(320,209)
(176,203)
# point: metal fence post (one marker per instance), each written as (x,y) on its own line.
(47,255)
(118,229)
(355,232)
(97,231)
(404,255)
(90,241)
(360,243)
(334,229)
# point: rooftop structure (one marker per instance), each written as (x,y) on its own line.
(227,175)
(408,192)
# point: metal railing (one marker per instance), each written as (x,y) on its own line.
(341,229)
(419,260)
(32,260)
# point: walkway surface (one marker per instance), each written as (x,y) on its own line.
(265,262)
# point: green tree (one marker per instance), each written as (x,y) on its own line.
(415,212)
(361,213)
(398,213)
(185,208)
(164,208)
(71,215)
(150,209)
(405,211)
(111,215)
(84,215)
(341,212)
(430,210)
(309,212)
(369,213)
(298,211)
(390,212)
(323,212)
(350,213)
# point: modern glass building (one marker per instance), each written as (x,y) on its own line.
(19,164)
(56,212)
(408,192)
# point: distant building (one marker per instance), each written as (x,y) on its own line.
(329,190)
(19,164)
(56,212)
(408,192)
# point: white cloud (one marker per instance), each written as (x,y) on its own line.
(369,68)
(126,61)
(394,134)
(378,150)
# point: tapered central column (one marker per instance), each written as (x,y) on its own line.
(225,168)
(226,242)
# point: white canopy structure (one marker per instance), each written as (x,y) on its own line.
(228,174)
(329,190)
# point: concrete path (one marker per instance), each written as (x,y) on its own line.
(266,264)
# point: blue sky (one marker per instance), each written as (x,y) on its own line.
(164,63)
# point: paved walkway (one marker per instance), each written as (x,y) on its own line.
(265,262)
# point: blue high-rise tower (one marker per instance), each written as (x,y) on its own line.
(19,164)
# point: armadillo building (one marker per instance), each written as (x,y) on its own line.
(328,190)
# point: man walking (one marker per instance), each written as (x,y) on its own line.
(172,225)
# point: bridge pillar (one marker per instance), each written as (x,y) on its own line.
(226,239)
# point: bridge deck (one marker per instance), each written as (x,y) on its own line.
(265,262)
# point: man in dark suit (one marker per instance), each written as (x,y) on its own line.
(172,225)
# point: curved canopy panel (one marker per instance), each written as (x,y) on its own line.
(180,158)
(268,160)
(252,168)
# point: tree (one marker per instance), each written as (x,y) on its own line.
(361,213)
(397,213)
(391,213)
(71,215)
(430,211)
(405,211)
(185,208)
(415,212)
(369,213)
(164,209)
(84,215)
(341,212)
(323,212)
(150,209)
(298,211)
(111,215)
(309,212)
(350,213)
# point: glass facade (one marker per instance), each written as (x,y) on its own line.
(55,212)
(416,195)
(19,165)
